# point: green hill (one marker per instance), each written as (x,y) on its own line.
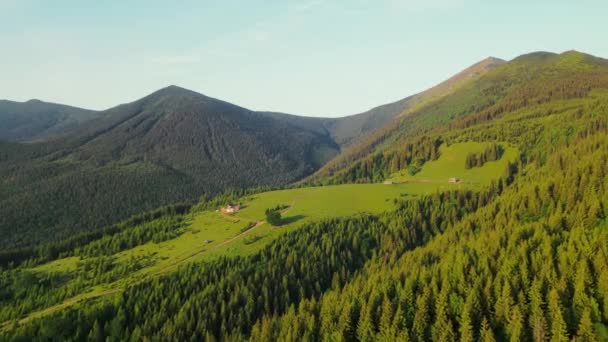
(174,145)
(528,80)
(385,249)
(166,243)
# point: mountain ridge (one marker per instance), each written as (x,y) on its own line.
(176,145)
(536,77)
(35,120)
(487,220)
(345,130)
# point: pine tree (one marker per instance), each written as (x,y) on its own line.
(386,321)
(466,327)
(443,329)
(516,326)
(469,315)
(585,331)
(559,331)
(537,320)
(486,334)
(422,316)
(96,334)
(365,329)
(503,304)
(398,324)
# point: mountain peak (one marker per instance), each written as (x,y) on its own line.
(485,65)
(538,55)
(174,93)
(173,90)
(492,59)
(576,55)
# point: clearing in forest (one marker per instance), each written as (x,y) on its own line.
(210,234)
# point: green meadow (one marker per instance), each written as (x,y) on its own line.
(451,163)
(212,234)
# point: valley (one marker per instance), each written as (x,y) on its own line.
(209,234)
(479,212)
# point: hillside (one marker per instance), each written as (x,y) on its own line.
(173,145)
(374,127)
(170,146)
(484,217)
(351,129)
(153,244)
(36,120)
(529,79)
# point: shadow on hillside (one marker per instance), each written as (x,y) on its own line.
(292,219)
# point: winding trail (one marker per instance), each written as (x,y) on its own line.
(89,296)
(83,297)
(65,304)
(181,261)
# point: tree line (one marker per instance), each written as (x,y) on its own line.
(491,153)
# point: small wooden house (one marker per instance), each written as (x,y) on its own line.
(454,180)
(231,208)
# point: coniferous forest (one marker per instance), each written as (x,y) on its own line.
(523,257)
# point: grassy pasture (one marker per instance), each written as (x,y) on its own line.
(211,234)
(451,163)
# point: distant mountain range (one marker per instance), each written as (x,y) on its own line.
(68,169)
(476,210)
(36,120)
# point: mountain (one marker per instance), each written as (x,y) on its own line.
(173,145)
(37,120)
(484,216)
(362,132)
(533,78)
(350,129)
(186,130)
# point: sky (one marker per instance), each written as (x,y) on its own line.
(310,57)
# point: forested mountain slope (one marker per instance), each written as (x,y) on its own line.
(173,145)
(529,79)
(37,120)
(351,129)
(523,259)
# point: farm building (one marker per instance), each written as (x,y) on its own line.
(454,180)
(231,208)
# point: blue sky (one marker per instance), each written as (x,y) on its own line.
(308,57)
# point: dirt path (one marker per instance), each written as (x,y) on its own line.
(257,224)
(229,217)
(181,261)
(88,296)
(67,303)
